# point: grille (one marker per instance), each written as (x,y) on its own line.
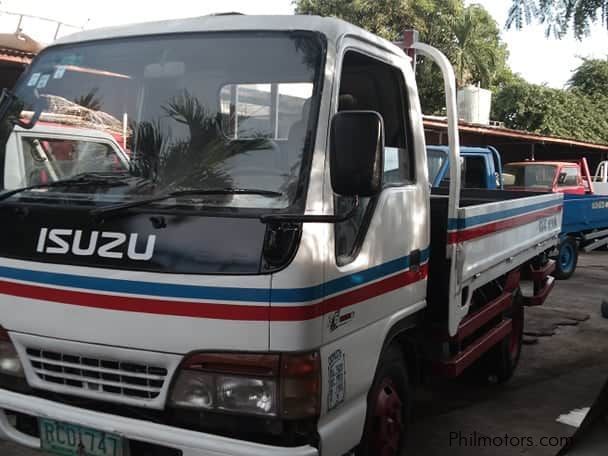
(120,378)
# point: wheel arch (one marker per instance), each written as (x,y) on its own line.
(404,334)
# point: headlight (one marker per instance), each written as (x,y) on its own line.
(249,384)
(228,393)
(194,390)
(9,359)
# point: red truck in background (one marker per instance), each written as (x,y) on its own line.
(585,220)
(556,176)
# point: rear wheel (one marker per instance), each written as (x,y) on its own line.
(567,258)
(498,365)
(388,405)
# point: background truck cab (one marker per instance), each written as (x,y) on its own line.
(481,167)
(554,176)
(585,219)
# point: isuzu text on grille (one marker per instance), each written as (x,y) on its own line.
(106,244)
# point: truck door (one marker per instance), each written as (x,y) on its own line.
(377,273)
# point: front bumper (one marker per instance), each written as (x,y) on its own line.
(191,443)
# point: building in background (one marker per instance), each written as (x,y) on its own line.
(516,145)
(25,36)
(16,52)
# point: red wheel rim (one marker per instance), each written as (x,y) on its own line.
(517,325)
(388,419)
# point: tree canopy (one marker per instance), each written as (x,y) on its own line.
(591,78)
(559,15)
(568,113)
(471,40)
(469,36)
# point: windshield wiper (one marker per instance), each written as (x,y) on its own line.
(84,179)
(184,192)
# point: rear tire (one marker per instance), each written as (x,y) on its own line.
(567,259)
(499,364)
(388,407)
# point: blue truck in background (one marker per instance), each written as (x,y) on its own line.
(585,212)
(481,167)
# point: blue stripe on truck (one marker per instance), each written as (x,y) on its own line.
(460,224)
(209,292)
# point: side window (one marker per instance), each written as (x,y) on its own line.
(268,110)
(50,159)
(474,172)
(568,177)
(369,84)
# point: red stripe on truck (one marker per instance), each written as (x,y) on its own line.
(211,310)
(500,225)
(298,313)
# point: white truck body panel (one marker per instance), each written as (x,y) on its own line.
(134,307)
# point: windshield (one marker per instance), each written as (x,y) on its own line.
(529,175)
(197,111)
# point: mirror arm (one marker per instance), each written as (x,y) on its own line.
(28,125)
(309,218)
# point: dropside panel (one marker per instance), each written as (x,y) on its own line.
(585,213)
(493,233)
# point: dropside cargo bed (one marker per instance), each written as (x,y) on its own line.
(496,231)
(585,213)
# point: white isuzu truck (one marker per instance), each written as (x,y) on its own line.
(268,271)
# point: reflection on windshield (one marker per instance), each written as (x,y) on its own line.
(195,111)
(529,175)
(435,162)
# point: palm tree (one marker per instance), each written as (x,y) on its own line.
(477,49)
(189,160)
(89,100)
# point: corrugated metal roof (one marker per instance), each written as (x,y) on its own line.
(18,48)
(489,130)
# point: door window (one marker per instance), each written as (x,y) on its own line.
(371,85)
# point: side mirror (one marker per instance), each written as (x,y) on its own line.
(356,153)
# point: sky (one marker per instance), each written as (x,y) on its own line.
(536,58)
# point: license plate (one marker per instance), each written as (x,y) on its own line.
(65,439)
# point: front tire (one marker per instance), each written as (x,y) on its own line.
(567,259)
(388,406)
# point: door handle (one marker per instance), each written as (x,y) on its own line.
(415,260)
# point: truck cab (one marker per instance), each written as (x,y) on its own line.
(600,178)
(551,176)
(481,167)
(271,273)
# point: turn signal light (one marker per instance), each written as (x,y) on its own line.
(9,359)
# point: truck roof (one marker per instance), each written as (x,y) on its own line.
(331,27)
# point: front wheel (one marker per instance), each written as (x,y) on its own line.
(567,259)
(388,405)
